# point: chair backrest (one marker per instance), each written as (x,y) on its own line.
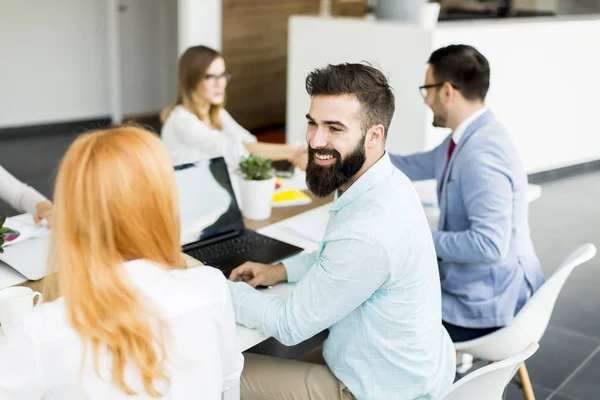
(531,322)
(490,381)
(536,313)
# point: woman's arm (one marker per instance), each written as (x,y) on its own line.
(192,132)
(20,196)
(232,128)
(274,151)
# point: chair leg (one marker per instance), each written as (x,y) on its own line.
(526,383)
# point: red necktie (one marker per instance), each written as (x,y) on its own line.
(450,151)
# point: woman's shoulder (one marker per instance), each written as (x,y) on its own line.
(200,284)
(180,113)
(179,116)
(223,113)
(202,273)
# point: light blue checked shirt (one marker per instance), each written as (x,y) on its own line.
(374,284)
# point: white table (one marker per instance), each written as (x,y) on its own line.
(303,230)
(290,230)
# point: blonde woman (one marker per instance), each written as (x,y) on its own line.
(133,321)
(24,198)
(197,126)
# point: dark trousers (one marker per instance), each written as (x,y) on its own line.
(461,334)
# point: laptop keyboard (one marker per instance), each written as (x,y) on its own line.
(247,241)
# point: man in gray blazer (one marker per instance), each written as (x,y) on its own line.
(487,263)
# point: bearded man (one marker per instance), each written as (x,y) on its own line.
(373,283)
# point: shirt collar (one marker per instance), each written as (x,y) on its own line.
(380,171)
(462,127)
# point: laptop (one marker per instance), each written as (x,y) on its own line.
(212,227)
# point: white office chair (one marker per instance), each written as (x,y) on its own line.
(490,381)
(530,323)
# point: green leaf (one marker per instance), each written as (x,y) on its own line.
(2,220)
(256,168)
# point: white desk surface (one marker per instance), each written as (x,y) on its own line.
(245,337)
(426,190)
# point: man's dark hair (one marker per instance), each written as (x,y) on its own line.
(463,67)
(368,84)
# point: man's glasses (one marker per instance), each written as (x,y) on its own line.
(213,79)
(423,89)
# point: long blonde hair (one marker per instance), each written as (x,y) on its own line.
(193,64)
(115,201)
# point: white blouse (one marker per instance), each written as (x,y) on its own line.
(20,196)
(188,139)
(43,360)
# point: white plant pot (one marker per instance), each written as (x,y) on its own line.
(257,198)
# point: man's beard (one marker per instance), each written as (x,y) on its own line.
(440,118)
(322,181)
(439,121)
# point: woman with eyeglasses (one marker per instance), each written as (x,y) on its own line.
(197,126)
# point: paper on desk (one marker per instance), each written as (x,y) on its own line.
(9,276)
(27,228)
(310,225)
(27,254)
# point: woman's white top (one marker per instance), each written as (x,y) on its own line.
(43,360)
(20,196)
(188,139)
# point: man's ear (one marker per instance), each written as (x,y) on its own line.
(375,136)
(447,92)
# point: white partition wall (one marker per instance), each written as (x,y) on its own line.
(544,84)
(53,64)
(315,42)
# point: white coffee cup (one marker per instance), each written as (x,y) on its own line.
(15,302)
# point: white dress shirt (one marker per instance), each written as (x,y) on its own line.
(43,360)
(20,196)
(188,139)
(462,127)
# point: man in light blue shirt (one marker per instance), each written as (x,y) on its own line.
(373,281)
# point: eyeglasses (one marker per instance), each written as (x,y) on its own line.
(423,89)
(213,79)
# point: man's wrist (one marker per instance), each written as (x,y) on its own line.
(281,272)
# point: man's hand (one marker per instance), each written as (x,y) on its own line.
(43,210)
(255,274)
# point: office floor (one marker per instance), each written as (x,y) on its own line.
(567,366)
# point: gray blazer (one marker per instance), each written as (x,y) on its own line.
(487,263)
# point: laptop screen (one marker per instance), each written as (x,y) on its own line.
(206,201)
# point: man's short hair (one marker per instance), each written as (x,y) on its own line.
(464,67)
(367,83)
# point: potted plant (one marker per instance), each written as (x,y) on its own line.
(256,187)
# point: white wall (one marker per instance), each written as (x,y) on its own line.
(543,79)
(200,22)
(53,61)
(543,85)
(314,42)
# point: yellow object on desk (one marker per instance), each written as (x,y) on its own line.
(290,197)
